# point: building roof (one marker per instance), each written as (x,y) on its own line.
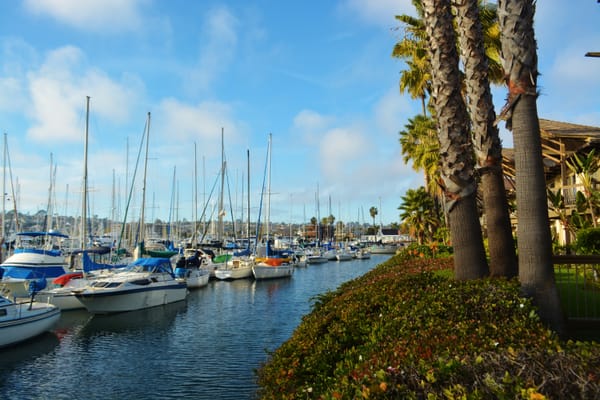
(559,141)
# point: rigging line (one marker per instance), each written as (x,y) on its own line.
(132,184)
(230,204)
(262,193)
(206,206)
(172,203)
(12,188)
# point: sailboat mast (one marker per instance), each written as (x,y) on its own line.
(4,192)
(142,226)
(195,216)
(268,187)
(85,176)
(221,210)
(248,190)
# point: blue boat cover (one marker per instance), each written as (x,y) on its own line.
(33,272)
(154,264)
(90,265)
(36,285)
(180,272)
(245,252)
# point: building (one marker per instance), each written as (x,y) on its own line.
(560,142)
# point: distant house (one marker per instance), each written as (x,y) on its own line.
(560,141)
(387,235)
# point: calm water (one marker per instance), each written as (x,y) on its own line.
(207,347)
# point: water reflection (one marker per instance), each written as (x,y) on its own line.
(28,350)
(154,319)
(206,347)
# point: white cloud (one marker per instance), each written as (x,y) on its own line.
(58,90)
(392,111)
(218,43)
(310,125)
(105,16)
(201,123)
(341,149)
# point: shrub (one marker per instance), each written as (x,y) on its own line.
(404,331)
(588,241)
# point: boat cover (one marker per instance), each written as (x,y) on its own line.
(89,265)
(35,285)
(154,264)
(63,279)
(32,272)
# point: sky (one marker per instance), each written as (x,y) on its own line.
(315,76)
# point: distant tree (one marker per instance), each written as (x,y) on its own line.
(314,222)
(373,212)
(419,215)
(330,219)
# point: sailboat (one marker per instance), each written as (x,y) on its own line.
(144,283)
(271,266)
(60,290)
(37,259)
(229,266)
(190,270)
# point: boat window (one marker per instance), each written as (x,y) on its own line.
(3,312)
(113,284)
(140,282)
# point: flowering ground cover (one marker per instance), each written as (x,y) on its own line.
(407,330)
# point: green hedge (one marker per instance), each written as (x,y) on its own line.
(406,331)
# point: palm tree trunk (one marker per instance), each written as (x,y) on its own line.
(519,58)
(457,165)
(488,149)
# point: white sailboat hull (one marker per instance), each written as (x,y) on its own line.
(22,322)
(237,268)
(106,302)
(241,272)
(195,278)
(272,272)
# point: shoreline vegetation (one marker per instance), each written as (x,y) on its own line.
(408,330)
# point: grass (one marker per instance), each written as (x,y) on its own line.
(579,293)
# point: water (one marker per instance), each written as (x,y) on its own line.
(207,347)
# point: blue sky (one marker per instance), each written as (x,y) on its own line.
(317,75)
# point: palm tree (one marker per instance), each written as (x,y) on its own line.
(457,166)
(314,221)
(519,56)
(418,214)
(373,212)
(487,146)
(416,80)
(419,143)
